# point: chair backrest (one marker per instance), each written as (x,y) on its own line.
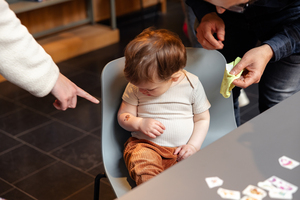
(207,65)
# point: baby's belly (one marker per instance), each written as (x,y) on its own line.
(177,132)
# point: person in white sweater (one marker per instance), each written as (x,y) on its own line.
(164,107)
(24,63)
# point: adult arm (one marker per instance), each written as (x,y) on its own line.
(22,60)
(286,42)
(281,45)
(25,63)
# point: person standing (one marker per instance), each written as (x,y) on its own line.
(25,63)
(266,34)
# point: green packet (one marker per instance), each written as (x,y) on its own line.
(227,85)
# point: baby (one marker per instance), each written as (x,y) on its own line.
(164,106)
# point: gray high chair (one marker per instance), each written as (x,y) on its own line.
(208,65)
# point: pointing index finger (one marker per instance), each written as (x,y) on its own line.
(87,96)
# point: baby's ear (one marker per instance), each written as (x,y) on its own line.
(175,76)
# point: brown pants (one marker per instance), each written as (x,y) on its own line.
(145,159)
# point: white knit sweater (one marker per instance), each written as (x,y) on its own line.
(22,60)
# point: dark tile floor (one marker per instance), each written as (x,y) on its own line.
(50,154)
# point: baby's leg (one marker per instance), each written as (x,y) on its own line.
(145,159)
(143,163)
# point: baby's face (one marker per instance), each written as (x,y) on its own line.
(155,88)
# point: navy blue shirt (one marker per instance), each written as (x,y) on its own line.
(275,22)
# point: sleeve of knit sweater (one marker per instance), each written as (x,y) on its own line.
(22,60)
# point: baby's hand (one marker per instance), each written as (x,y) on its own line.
(151,127)
(185,151)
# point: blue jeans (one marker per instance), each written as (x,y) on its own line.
(280,80)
